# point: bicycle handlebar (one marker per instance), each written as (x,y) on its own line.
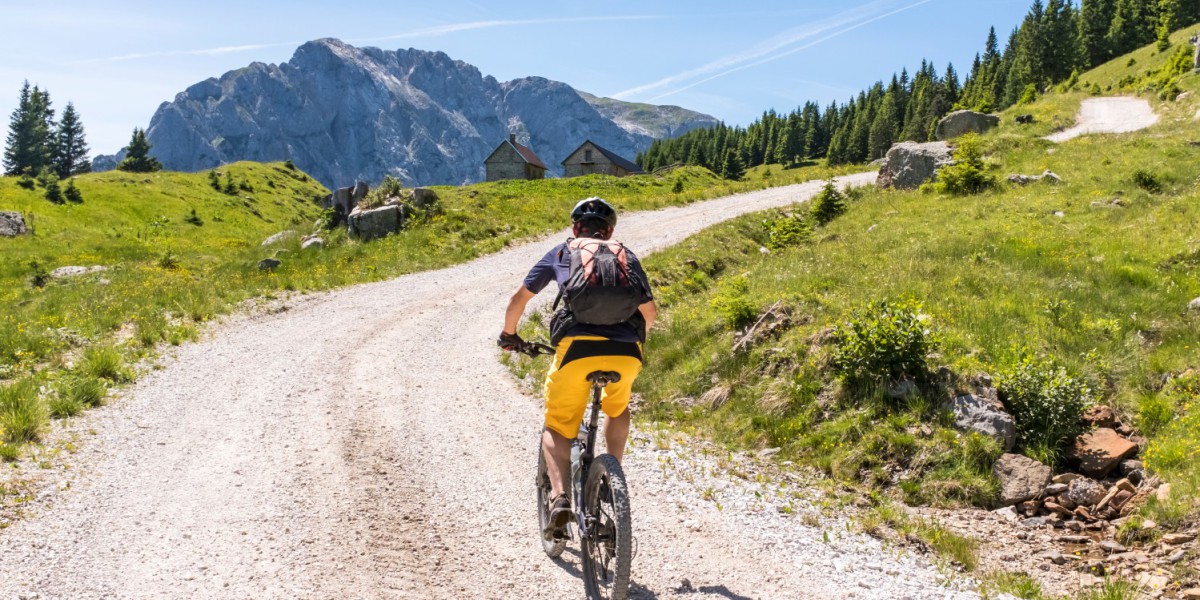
(535,349)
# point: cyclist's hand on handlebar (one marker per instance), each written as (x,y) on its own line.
(510,342)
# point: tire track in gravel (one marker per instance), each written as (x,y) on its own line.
(365,443)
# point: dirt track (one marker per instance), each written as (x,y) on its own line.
(365,443)
(1109,115)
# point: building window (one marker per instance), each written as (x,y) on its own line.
(587,156)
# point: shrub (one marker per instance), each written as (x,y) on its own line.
(229,187)
(62,407)
(883,341)
(194,218)
(732,302)
(390,187)
(213,180)
(26,181)
(678,187)
(968,174)
(49,180)
(22,415)
(1029,95)
(169,260)
(289,164)
(1147,180)
(72,193)
(787,231)
(39,276)
(1046,401)
(9,452)
(829,204)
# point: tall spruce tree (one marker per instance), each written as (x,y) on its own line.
(70,147)
(137,155)
(1095,19)
(1133,25)
(28,147)
(885,128)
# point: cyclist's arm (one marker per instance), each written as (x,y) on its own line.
(516,308)
(649,310)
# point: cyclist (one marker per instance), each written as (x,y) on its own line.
(582,348)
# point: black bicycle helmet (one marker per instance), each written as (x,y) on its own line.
(595,208)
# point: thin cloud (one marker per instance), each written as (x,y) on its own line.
(774,49)
(427,32)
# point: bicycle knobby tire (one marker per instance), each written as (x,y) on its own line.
(607,553)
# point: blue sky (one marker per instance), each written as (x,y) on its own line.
(119,61)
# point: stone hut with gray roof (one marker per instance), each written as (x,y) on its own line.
(511,160)
(592,158)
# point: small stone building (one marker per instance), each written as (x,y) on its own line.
(511,160)
(592,158)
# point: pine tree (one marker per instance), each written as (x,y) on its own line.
(27,148)
(70,147)
(137,155)
(1168,20)
(1095,19)
(885,128)
(829,204)
(733,167)
(1133,25)
(72,193)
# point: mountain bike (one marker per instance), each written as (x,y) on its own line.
(601,500)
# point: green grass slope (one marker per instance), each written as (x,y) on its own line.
(1093,275)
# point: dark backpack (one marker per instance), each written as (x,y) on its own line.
(601,288)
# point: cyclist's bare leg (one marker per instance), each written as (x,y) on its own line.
(557,450)
(616,432)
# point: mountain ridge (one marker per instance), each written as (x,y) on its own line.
(344,113)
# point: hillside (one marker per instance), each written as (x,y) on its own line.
(343,113)
(1093,276)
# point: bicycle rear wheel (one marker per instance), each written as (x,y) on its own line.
(552,548)
(608,548)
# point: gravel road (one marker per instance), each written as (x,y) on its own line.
(1109,115)
(366,443)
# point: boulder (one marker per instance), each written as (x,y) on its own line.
(1049,176)
(279,237)
(312,242)
(1100,451)
(964,121)
(1085,492)
(12,224)
(1194,304)
(1024,119)
(909,164)
(984,414)
(1021,478)
(1099,416)
(424,197)
(359,192)
(269,264)
(1023,179)
(375,223)
(73,271)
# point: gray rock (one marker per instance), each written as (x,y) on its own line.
(12,224)
(1066,477)
(1112,547)
(902,389)
(1131,466)
(1021,478)
(375,223)
(964,121)
(278,237)
(1194,304)
(1023,179)
(73,271)
(269,264)
(1008,513)
(359,192)
(1085,492)
(1054,489)
(1049,176)
(312,242)
(982,414)
(424,197)
(342,113)
(910,164)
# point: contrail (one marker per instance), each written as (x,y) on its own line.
(427,32)
(839,24)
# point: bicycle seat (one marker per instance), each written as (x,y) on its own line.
(603,377)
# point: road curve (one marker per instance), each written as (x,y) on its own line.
(365,443)
(1109,115)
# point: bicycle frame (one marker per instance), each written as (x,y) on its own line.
(586,454)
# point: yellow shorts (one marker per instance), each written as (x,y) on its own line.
(567,389)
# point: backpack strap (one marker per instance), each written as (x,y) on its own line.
(559,297)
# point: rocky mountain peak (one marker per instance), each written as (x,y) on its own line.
(344,113)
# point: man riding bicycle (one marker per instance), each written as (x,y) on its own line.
(601,327)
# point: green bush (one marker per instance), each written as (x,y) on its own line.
(968,174)
(1029,95)
(194,218)
(829,204)
(732,302)
(26,181)
(39,276)
(62,407)
(1147,180)
(883,341)
(86,391)
(22,414)
(1046,401)
(72,193)
(787,231)
(678,187)
(9,452)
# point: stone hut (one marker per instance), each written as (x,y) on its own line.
(592,158)
(511,160)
